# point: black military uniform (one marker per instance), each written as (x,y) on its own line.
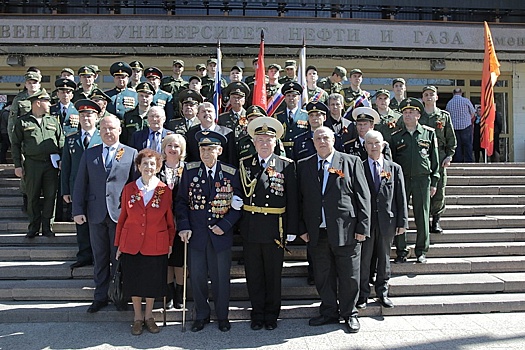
(182,125)
(237,121)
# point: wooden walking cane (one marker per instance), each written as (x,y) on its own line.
(185,277)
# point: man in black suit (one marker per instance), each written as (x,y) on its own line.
(335,207)
(206,116)
(389,217)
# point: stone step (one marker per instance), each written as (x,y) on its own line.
(485,179)
(486,190)
(20,225)
(484,199)
(481,222)
(12,212)
(480,210)
(473,235)
(451,250)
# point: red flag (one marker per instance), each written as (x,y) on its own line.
(259,87)
(489,77)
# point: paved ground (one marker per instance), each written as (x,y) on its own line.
(450,332)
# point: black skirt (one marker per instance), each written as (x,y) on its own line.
(177,254)
(144,276)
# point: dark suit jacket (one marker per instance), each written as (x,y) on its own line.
(389,205)
(194,205)
(97,194)
(346,200)
(229,152)
(139,139)
(71,155)
(144,228)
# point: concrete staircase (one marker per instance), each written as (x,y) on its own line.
(477,265)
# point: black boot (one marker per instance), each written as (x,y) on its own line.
(170,296)
(177,298)
(436,228)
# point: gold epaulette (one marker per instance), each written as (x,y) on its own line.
(193,165)
(285,159)
(228,169)
(246,157)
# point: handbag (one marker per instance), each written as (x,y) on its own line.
(115,291)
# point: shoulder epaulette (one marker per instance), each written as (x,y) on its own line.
(444,112)
(193,165)
(395,132)
(229,169)
(427,127)
(71,133)
(352,140)
(300,135)
(305,159)
(285,158)
(246,157)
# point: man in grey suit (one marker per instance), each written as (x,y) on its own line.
(110,163)
(389,217)
(335,208)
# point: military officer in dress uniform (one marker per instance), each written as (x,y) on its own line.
(123,99)
(36,137)
(293,118)
(365,118)
(189,100)
(290,68)
(235,118)
(208,206)
(353,95)
(101,99)
(74,146)
(137,71)
(446,139)
(65,110)
(399,87)
(136,119)
(315,93)
(333,84)
(87,85)
(269,221)
(387,117)
(414,147)
(161,97)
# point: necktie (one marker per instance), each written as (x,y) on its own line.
(210,181)
(87,138)
(263,163)
(321,171)
(64,112)
(290,117)
(108,160)
(155,141)
(377,176)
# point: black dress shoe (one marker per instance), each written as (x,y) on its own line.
(422,259)
(31,234)
(361,304)
(270,325)
(321,320)
(96,306)
(48,234)
(352,325)
(256,325)
(78,264)
(386,302)
(198,325)
(224,325)
(400,259)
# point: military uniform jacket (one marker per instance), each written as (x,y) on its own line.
(180,125)
(303,145)
(275,187)
(197,208)
(245,147)
(387,123)
(132,122)
(394,104)
(122,100)
(237,123)
(350,96)
(328,86)
(164,100)
(229,154)
(208,87)
(346,129)
(356,148)
(70,122)
(417,154)
(36,141)
(317,95)
(79,93)
(442,125)
(388,206)
(20,106)
(71,154)
(291,130)
(173,86)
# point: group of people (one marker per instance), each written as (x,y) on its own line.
(143,183)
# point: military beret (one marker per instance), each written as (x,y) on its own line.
(265,126)
(383,92)
(210,138)
(398,80)
(153,72)
(87,105)
(200,66)
(255,110)
(317,106)
(340,71)
(430,87)
(365,113)
(179,62)
(237,88)
(86,70)
(39,95)
(120,68)
(69,70)
(356,71)
(290,63)
(190,96)
(292,87)
(136,65)
(276,66)
(145,87)
(65,84)
(411,103)
(32,76)
(98,94)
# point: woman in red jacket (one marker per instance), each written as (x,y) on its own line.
(144,237)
